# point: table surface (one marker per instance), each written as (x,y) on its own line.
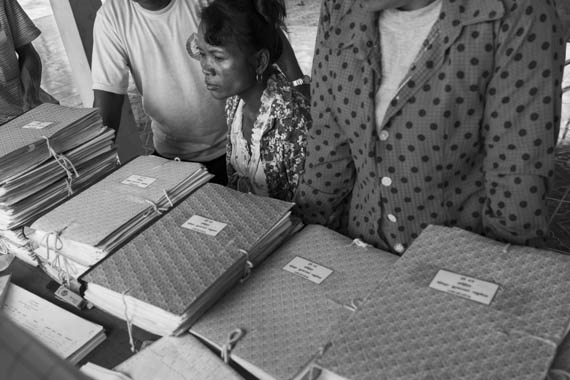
(116,348)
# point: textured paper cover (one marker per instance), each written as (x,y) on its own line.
(177,358)
(287,317)
(13,136)
(94,214)
(169,266)
(406,330)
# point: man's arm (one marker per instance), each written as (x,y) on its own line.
(329,174)
(109,66)
(520,127)
(288,63)
(110,106)
(30,75)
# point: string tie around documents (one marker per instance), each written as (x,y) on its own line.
(233,338)
(57,243)
(129,320)
(359,243)
(155,208)
(69,186)
(64,162)
(59,262)
(168,198)
(354,304)
(548,341)
(248,265)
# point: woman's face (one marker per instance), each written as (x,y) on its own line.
(228,70)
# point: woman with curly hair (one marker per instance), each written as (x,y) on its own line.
(238,44)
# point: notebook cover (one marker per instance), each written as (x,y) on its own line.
(169,266)
(407,330)
(177,358)
(94,214)
(287,317)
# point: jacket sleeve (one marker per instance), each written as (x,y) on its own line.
(329,168)
(295,150)
(521,122)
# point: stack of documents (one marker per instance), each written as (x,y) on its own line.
(289,305)
(36,135)
(174,270)
(69,336)
(82,231)
(47,155)
(457,306)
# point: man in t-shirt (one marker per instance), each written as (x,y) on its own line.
(20,64)
(148,38)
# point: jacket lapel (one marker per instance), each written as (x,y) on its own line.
(454,16)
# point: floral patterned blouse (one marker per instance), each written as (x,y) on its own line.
(276,157)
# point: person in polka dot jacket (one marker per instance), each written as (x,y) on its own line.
(433,112)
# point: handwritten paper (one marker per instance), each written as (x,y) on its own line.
(62,331)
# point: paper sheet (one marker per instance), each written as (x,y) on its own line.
(57,328)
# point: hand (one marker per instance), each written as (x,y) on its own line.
(379,5)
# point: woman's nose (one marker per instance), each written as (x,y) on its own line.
(206,66)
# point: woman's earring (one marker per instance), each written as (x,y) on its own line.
(259,77)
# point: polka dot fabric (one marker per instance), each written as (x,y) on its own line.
(467,141)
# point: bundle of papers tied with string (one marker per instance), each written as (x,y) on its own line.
(42,132)
(175,269)
(48,154)
(82,231)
